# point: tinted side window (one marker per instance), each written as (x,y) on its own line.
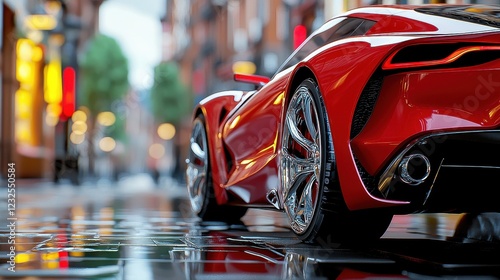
(334,30)
(481,14)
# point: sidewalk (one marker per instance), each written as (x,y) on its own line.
(40,193)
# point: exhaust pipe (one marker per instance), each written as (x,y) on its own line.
(414,169)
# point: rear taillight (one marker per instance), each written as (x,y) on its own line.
(424,56)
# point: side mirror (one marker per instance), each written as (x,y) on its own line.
(251,79)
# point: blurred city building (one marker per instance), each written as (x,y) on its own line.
(208,39)
(211,38)
(39,68)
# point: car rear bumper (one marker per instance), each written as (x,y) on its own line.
(462,171)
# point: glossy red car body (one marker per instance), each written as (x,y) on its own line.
(420,94)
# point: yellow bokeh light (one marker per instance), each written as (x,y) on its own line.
(23,257)
(166,131)
(244,67)
(37,54)
(52,7)
(77,214)
(106,118)
(107,144)
(41,22)
(24,71)
(77,254)
(23,132)
(50,256)
(79,127)
(76,138)
(53,82)
(79,115)
(156,151)
(51,120)
(54,109)
(50,265)
(24,106)
(24,49)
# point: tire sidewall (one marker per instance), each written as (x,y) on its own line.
(208,178)
(327,172)
(210,210)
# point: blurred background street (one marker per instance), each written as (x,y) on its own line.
(95,89)
(95,114)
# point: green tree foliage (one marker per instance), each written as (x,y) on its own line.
(170,99)
(104,71)
(104,78)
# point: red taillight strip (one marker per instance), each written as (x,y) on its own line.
(388,65)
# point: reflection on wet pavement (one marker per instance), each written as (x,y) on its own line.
(141,231)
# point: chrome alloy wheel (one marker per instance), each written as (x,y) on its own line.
(301,160)
(197,166)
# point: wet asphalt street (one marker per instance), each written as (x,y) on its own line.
(134,229)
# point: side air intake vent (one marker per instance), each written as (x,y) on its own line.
(365,104)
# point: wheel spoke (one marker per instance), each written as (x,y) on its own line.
(197,151)
(291,123)
(305,204)
(299,203)
(195,174)
(296,169)
(309,115)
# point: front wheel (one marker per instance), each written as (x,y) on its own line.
(199,179)
(312,198)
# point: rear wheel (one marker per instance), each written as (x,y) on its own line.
(199,180)
(311,193)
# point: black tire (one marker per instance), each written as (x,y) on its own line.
(331,221)
(203,203)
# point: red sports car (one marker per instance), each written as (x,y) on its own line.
(383,110)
